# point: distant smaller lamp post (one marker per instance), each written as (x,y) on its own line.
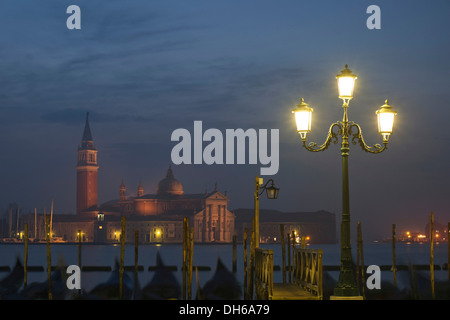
(271,192)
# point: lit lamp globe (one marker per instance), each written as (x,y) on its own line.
(385,117)
(346,83)
(303,115)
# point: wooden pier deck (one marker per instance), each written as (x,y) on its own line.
(307,276)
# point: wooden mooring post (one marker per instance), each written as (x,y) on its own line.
(136,252)
(188,257)
(293,243)
(432,254)
(25,256)
(293,239)
(49,257)
(251,263)
(358,258)
(234,264)
(79,254)
(79,249)
(183,268)
(122,258)
(283,253)
(362,269)
(191,262)
(289,257)
(244,242)
(394,267)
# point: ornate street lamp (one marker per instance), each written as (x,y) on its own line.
(346,83)
(385,117)
(346,129)
(271,193)
(303,115)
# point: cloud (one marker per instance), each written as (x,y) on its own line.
(76,117)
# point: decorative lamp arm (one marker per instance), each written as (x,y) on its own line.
(331,137)
(376,148)
(264,187)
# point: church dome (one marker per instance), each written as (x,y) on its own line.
(169,185)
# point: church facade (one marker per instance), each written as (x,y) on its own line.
(157,217)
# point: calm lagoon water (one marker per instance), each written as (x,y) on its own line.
(208,255)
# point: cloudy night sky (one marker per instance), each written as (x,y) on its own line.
(145,68)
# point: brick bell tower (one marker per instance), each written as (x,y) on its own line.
(87,172)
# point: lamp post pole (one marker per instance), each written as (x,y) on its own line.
(258,183)
(272,193)
(346,286)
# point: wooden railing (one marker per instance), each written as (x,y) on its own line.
(307,271)
(263,273)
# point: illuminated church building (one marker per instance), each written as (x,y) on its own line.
(158,217)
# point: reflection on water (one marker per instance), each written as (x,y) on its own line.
(205,255)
